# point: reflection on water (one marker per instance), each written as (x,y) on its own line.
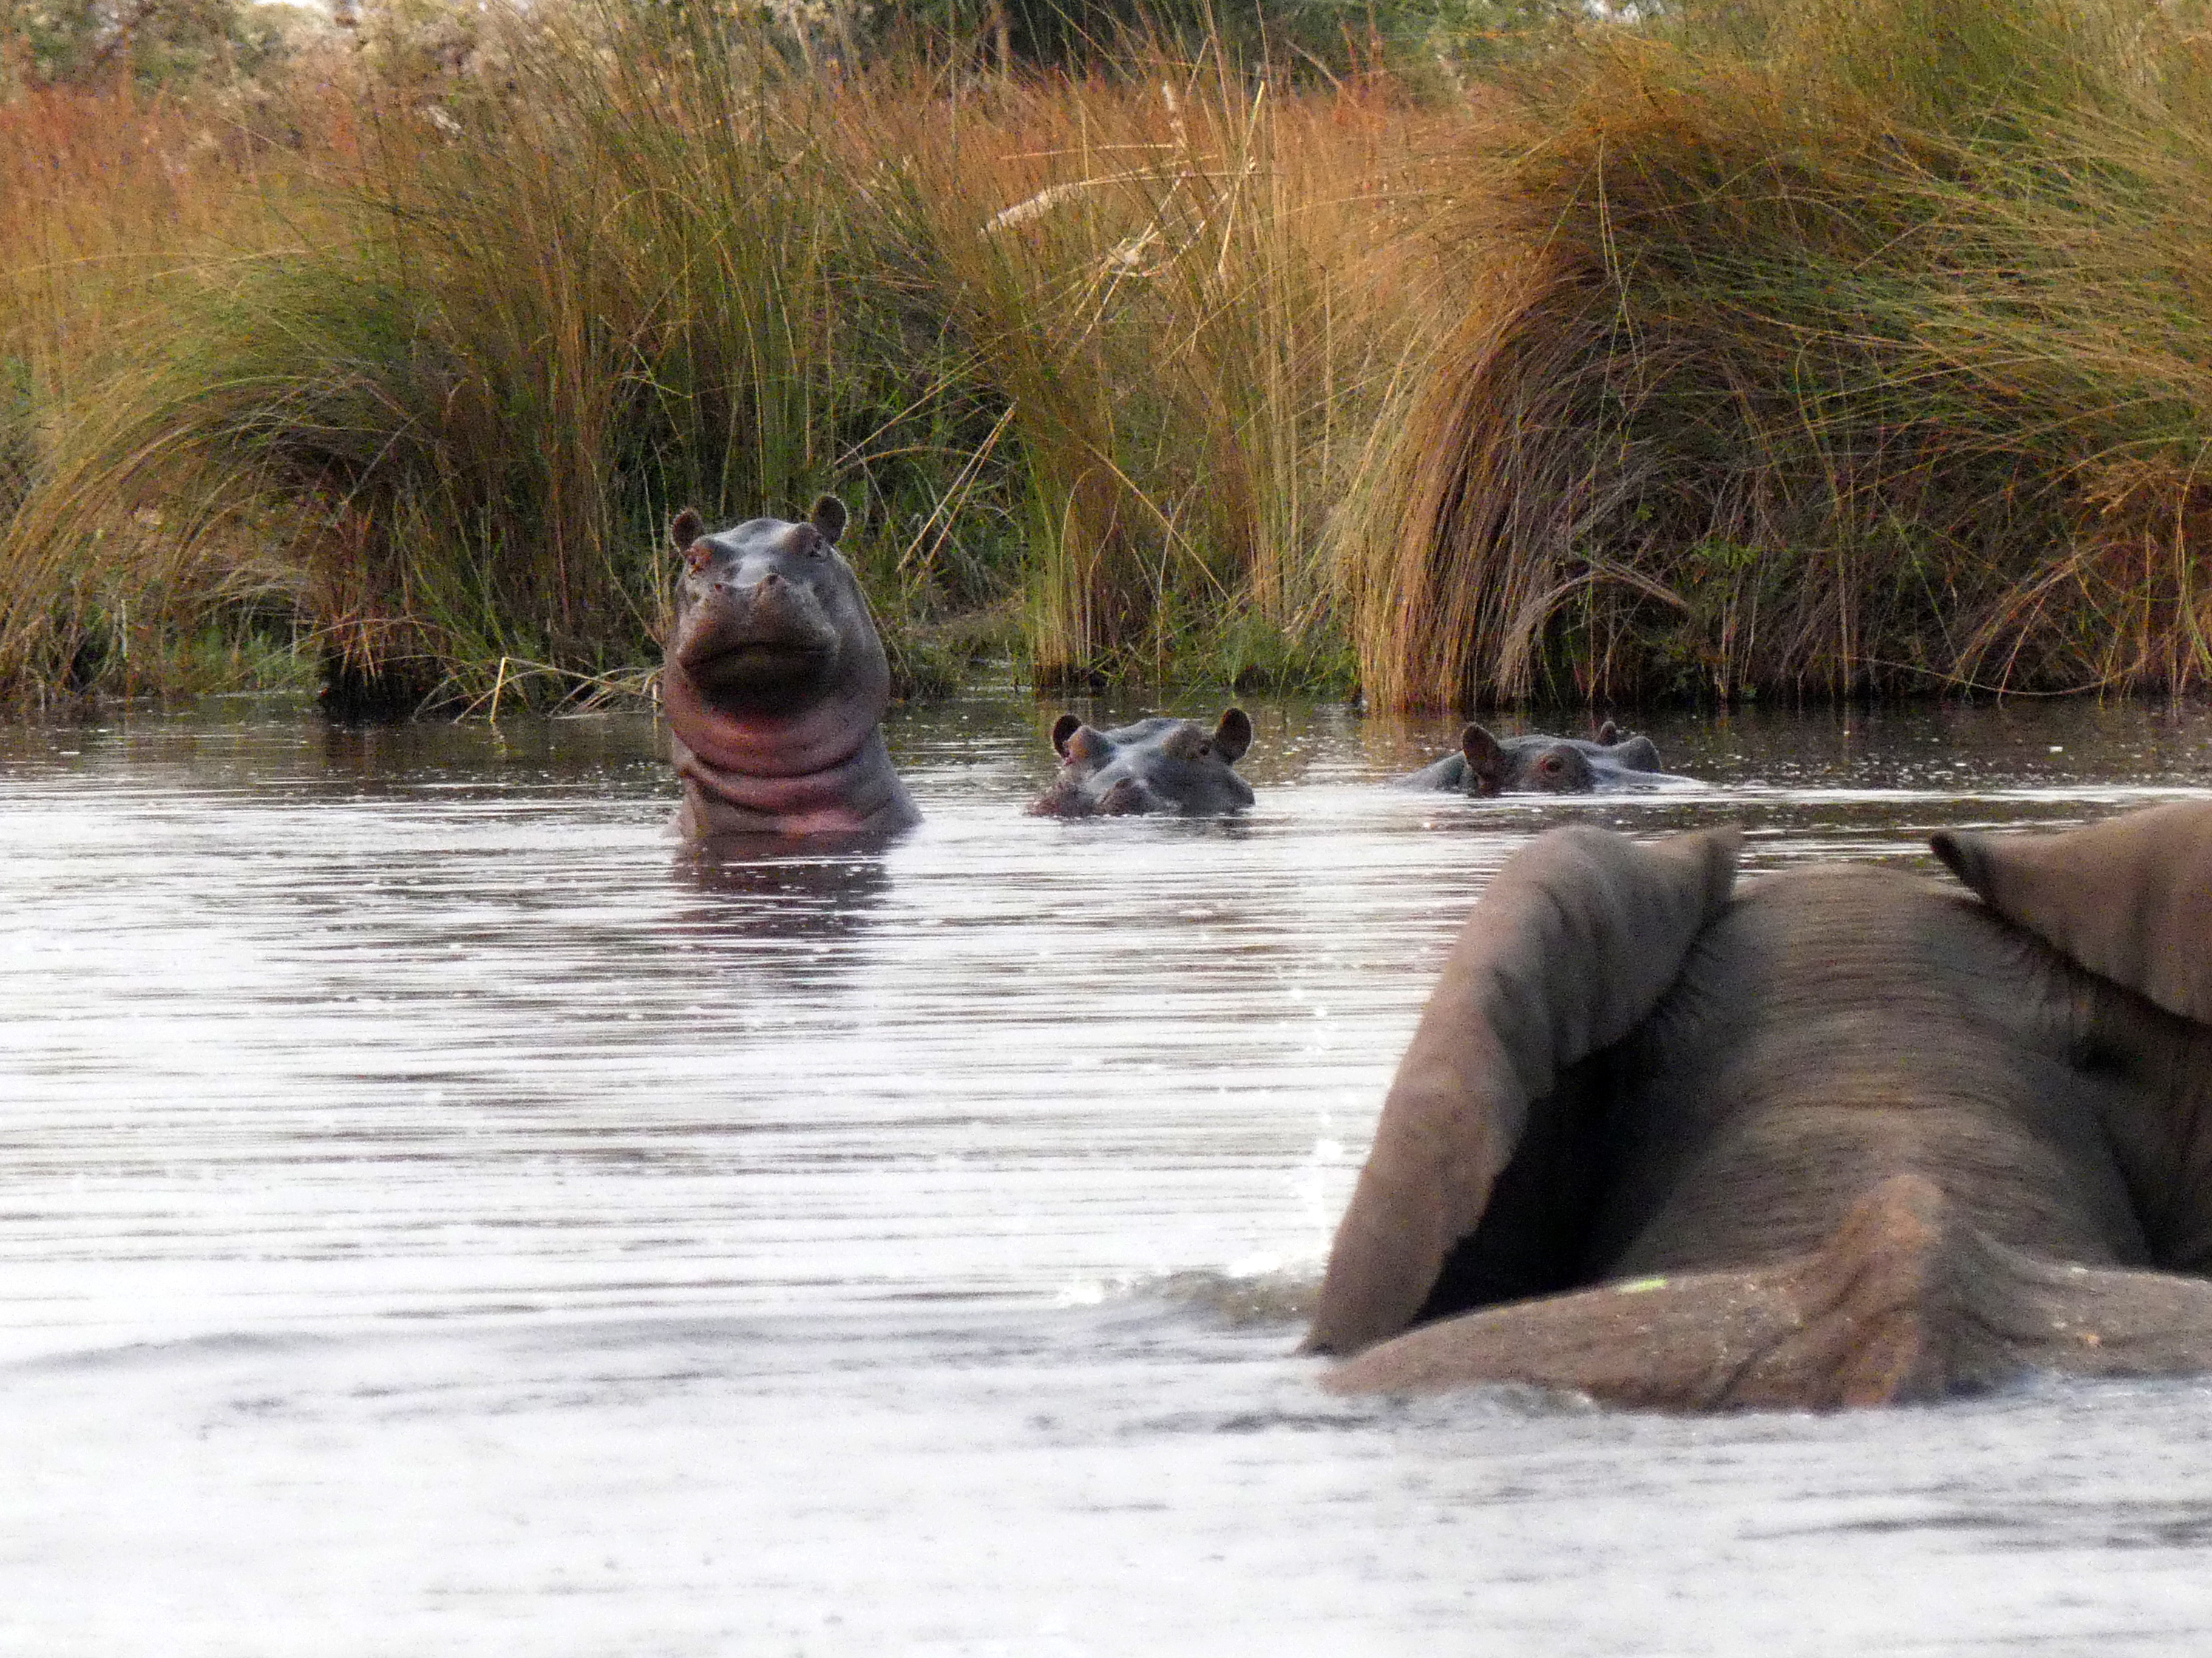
(441,1214)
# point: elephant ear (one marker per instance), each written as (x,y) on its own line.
(1577,938)
(2130,898)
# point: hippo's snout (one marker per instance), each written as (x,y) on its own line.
(1092,796)
(1124,796)
(756,634)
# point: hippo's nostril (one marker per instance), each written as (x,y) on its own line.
(1125,797)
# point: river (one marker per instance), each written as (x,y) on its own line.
(436,1216)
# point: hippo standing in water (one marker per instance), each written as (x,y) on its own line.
(1156,765)
(775,684)
(1608,763)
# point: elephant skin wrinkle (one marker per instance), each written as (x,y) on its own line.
(1846,1135)
(775,684)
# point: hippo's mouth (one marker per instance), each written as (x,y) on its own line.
(756,661)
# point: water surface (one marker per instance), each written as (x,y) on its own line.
(436,1216)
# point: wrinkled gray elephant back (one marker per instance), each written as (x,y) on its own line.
(1845,1136)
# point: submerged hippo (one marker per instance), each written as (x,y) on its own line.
(775,684)
(1536,764)
(1160,764)
(1841,1136)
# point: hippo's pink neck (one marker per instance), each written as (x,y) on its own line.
(815,739)
(860,792)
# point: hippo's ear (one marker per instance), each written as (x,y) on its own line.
(1605,735)
(686,527)
(1063,728)
(1233,736)
(2129,898)
(828,519)
(1638,754)
(1486,764)
(1575,941)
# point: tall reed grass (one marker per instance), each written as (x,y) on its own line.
(1829,349)
(1190,290)
(1095,349)
(625,277)
(120,206)
(1822,349)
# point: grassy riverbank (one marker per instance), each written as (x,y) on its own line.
(1831,350)
(1870,353)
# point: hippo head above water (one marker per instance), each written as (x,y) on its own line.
(776,683)
(1606,763)
(768,617)
(1156,765)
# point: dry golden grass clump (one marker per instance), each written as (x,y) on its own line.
(1863,349)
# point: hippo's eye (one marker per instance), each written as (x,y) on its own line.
(1552,764)
(1204,748)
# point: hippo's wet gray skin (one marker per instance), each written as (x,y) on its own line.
(1609,763)
(774,685)
(1158,765)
